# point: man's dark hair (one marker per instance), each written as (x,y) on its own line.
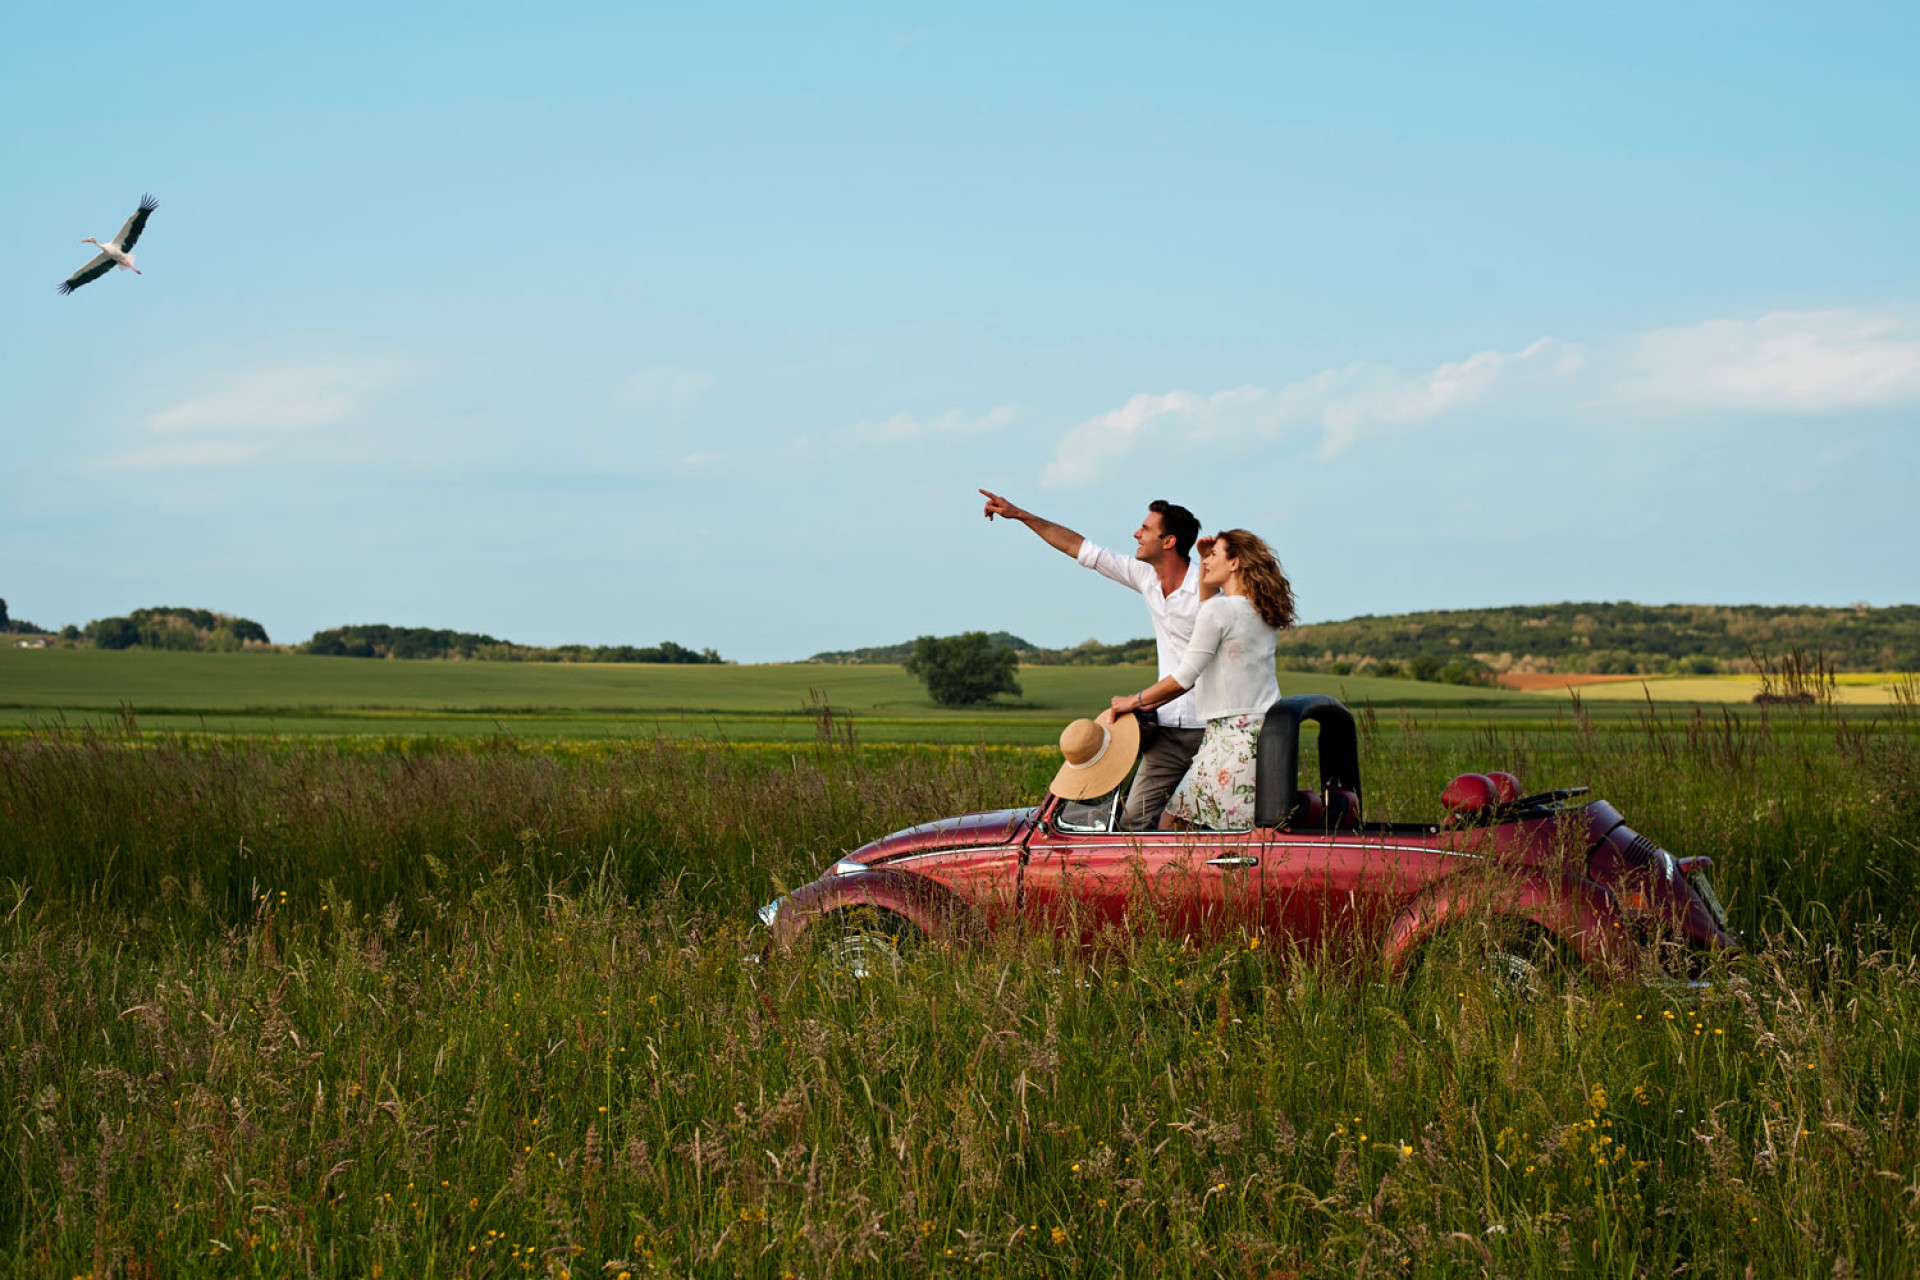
(1181,523)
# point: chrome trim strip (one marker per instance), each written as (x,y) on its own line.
(1133,843)
(1265,846)
(940,853)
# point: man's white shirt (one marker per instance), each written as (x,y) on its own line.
(1173,617)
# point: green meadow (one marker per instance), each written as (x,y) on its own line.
(334,968)
(300,694)
(268,693)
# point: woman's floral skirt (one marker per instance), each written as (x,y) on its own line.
(1218,789)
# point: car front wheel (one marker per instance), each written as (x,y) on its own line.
(866,942)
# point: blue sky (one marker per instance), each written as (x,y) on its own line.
(620,323)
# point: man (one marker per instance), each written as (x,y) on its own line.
(1169,582)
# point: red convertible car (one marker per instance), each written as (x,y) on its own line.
(1536,879)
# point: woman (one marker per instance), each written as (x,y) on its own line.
(1229,665)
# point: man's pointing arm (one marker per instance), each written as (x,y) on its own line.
(1057,536)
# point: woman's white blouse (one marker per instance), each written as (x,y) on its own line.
(1229,661)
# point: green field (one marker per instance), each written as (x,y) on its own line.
(300,694)
(270,693)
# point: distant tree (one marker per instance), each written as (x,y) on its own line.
(3,615)
(114,633)
(69,632)
(964,670)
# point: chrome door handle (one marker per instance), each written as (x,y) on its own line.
(1245,860)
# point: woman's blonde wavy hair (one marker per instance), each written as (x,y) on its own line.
(1261,577)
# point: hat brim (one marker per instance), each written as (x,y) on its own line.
(1106,773)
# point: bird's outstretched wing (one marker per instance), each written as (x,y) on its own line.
(130,229)
(100,265)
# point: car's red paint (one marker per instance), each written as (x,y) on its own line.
(1469,794)
(1310,874)
(1506,787)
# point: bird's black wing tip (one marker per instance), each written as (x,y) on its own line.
(148,204)
(63,288)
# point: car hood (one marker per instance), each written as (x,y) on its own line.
(996,826)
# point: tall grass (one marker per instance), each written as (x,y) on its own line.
(287,1009)
(1813,821)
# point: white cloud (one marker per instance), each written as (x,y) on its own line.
(254,415)
(1809,362)
(904,428)
(1335,407)
(284,399)
(1785,361)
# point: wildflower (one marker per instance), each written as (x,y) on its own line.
(1059,1235)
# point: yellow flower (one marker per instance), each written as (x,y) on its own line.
(1059,1235)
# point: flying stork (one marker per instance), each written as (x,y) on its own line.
(117,252)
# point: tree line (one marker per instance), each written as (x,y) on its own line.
(378,640)
(1471,646)
(1607,639)
(181,629)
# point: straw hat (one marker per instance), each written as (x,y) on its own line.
(1099,753)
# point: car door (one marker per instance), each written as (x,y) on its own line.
(1194,884)
(1340,887)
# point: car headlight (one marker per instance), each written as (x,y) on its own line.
(1638,894)
(769,912)
(847,867)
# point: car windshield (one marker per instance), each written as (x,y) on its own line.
(1102,813)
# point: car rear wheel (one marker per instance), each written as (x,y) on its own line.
(1522,960)
(1518,958)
